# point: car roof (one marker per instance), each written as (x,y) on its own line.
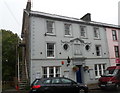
(42,79)
(114,67)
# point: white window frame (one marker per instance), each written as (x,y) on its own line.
(99,51)
(55,74)
(52,28)
(84,32)
(69,30)
(99,70)
(96,33)
(47,50)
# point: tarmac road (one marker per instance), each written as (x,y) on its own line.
(103,91)
(91,91)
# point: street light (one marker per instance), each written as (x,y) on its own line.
(68,61)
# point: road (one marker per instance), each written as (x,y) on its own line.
(91,91)
(103,91)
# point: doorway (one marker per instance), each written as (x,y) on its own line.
(79,75)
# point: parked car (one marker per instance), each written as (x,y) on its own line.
(111,78)
(57,85)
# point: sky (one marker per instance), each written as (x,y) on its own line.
(11,11)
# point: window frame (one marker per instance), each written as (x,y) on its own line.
(48,50)
(116,51)
(49,27)
(55,72)
(98,52)
(69,31)
(96,33)
(99,69)
(83,32)
(114,35)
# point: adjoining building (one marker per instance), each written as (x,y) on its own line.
(113,45)
(119,25)
(60,46)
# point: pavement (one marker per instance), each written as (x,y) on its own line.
(93,87)
(14,91)
(90,86)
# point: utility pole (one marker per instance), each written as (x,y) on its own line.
(18,68)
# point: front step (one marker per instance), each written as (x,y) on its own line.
(23,85)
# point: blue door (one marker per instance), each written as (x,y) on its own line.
(79,75)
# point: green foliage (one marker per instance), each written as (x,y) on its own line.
(9,54)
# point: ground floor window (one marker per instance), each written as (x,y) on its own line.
(51,71)
(99,70)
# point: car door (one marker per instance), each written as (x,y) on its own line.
(75,87)
(66,85)
(69,86)
(56,85)
(47,85)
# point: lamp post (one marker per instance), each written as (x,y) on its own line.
(68,61)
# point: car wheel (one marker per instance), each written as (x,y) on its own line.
(83,91)
(47,92)
(117,87)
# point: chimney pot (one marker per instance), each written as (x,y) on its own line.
(29,0)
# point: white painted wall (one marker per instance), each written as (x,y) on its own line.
(38,48)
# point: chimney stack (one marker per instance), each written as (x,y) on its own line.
(28,7)
(86,17)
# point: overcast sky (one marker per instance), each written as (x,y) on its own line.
(11,11)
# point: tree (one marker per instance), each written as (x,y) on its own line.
(9,54)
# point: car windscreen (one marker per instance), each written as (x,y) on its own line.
(110,72)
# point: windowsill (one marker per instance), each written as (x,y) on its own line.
(78,54)
(115,40)
(49,34)
(97,39)
(69,36)
(98,56)
(84,37)
(50,57)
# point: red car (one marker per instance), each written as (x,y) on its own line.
(111,78)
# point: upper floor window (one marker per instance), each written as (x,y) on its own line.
(67,28)
(50,50)
(83,31)
(99,69)
(98,50)
(50,27)
(114,34)
(116,48)
(96,33)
